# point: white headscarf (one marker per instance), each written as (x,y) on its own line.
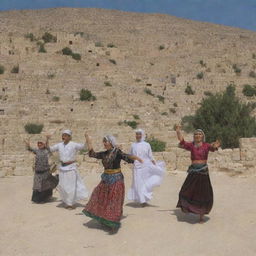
(68,132)
(142,132)
(111,139)
(200,130)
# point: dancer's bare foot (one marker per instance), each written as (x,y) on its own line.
(201,219)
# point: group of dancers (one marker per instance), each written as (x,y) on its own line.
(106,201)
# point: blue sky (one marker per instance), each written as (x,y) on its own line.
(237,13)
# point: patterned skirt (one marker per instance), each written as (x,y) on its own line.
(196,194)
(107,199)
(44,183)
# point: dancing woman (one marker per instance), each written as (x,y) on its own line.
(196,194)
(106,202)
(44,182)
(147,175)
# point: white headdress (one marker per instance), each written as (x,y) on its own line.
(68,132)
(142,132)
(111,139)
(200,130)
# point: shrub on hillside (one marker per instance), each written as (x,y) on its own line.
(148,91)
(107,83)
(112,61)
(136,117)
(86,95)
(67,51)
(56,98)
(42,48)
(49,38)
(15,69)
(156,145)
(172,110)
(32,128)
(236,69)
(110,45)
(200,75)
(208,93)
(189,90)
(249,90)
(252,74)
(30,36)
(76,56)
(2,69)
(161,47)
(132,124)
(202,63)
(99,44)
(223,116)
(161,98)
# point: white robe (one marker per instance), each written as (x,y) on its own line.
(71,186)
(146,175)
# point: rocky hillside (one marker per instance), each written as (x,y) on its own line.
(137,66)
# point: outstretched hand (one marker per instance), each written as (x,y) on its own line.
(216,144)
(48,136)
(178,127)
(140,160)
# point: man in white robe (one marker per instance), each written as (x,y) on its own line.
(71,186)
(146,175)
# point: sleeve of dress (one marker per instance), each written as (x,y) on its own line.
(211,148)
(125,157)
(131,150)
(98,155)
(54,148)
(186,145)
(79,146)
(150,154)
(34,150)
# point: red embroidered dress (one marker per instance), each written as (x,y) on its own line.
(106,202)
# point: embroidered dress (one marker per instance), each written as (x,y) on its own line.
(71,186)
(146,175)
(106,202)
(43,183)
(196,194)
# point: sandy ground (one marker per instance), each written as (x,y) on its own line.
(50,230)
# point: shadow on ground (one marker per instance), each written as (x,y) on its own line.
(138,205)
(187,217)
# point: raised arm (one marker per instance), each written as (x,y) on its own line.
(88,142)
(178,131)
(28,146)
(92,153)
(47,141)
(27,143)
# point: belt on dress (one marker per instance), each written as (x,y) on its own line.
(67,163)
(112,171)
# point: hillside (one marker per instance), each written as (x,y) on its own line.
(132,52)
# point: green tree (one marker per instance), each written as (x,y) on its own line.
(223,116)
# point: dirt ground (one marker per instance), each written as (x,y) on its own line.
(160,229)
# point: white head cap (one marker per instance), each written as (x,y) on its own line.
(68,132)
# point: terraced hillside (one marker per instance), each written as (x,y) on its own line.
(136,65)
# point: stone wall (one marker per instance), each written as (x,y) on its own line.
(233,161)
